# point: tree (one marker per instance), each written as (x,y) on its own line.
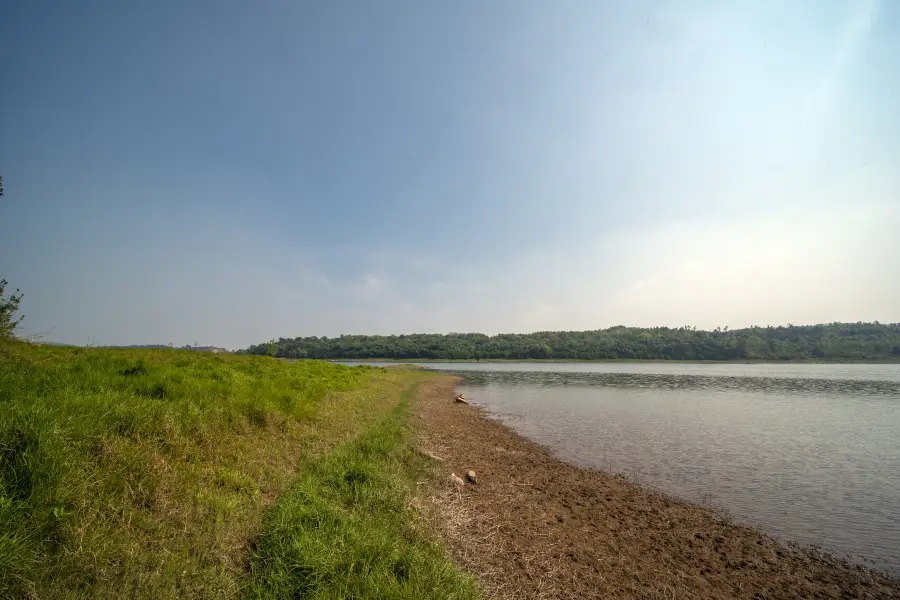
(8,309)
(8,306)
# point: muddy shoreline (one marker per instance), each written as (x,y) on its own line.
(536,527)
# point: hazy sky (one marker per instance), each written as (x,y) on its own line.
(225,172)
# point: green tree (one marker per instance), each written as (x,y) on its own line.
(8,309)
(8,306)
(791,342)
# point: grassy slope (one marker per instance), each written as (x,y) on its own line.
(146,473)
(344,530)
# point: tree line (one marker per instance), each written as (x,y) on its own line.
(195,347)
(835,341)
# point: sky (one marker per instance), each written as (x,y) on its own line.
(224,172)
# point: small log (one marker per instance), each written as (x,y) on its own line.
(427,454)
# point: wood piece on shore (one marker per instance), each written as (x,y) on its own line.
(461,399)
(427,454)
(470,477)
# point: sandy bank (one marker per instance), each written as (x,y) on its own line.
(536,527)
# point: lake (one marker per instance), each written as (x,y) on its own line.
(810,453)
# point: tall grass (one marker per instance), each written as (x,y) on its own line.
(344,529)
(144,473)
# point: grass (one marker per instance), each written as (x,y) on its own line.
(147,473)
(344,530)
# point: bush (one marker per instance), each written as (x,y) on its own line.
(8,309)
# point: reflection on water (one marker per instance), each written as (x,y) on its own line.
(811,453)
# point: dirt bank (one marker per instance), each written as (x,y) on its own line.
(535,527)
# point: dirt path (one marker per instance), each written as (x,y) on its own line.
(535,527)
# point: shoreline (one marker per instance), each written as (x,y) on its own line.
(415,361)
(534,526)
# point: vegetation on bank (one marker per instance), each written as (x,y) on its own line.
(835,341)
(9,306)
(140,473)
(343,531)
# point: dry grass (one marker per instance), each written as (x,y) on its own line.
(475,537)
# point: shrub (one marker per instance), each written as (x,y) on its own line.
(8,309)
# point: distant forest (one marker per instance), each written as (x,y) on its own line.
(170,346)
(836,341)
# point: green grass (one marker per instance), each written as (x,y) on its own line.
(147,473)
(344,530)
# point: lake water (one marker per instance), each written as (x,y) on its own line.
(810,453)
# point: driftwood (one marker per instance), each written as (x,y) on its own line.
(427,454)
(457,481)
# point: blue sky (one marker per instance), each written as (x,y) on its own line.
(226,172)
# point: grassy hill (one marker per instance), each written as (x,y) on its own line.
(167,473)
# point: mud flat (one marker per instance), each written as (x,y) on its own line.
(536,527)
